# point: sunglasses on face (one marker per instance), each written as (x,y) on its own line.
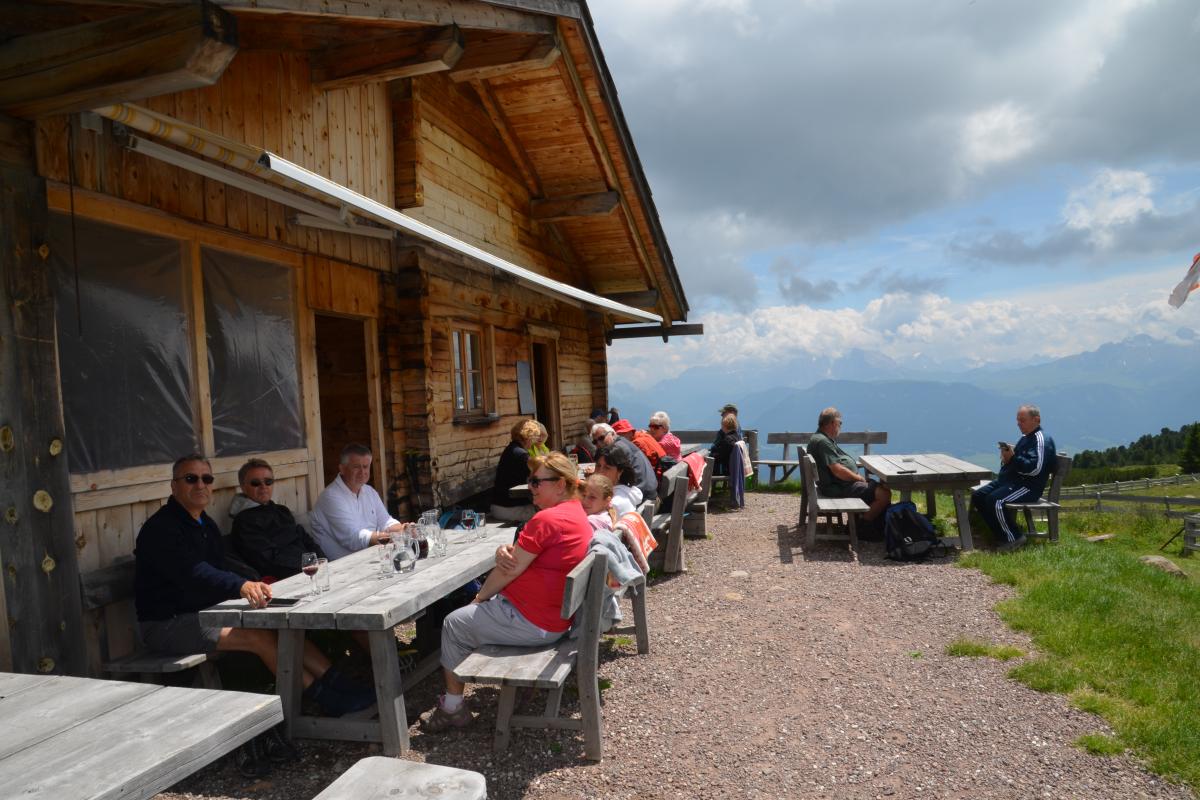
(535,481)
(192,478)
(655,425)
(255,482)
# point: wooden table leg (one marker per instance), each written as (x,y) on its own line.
(289,675)
(906,495)
(931,503)
(962,511)
(389,692)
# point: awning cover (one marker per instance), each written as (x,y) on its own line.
(277,170)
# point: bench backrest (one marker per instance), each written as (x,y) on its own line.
(1062,468)
(705,489)
(707,437)
(585,590)
(808,473)
(865,438)
(107,585)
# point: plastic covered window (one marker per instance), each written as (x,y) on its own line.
(249,315)
(123,351)
(468,372)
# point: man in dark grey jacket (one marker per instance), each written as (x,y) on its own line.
(603,435)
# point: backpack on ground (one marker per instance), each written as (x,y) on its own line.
(908,535)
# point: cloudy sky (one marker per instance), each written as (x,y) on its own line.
(948,180)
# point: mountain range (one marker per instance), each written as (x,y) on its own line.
(1092,400)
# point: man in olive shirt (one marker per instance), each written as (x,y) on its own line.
(837,471)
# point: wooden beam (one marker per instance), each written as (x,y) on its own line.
(467,14)
(645,331)
(599,204)
(402,55)
(646,299)
(521,158)
(504,55)
(130,57)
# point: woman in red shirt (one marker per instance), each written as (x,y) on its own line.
(521,600)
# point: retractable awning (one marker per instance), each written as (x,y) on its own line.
(335,204)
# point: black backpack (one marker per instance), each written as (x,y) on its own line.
(908,535)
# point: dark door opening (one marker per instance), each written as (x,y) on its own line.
(545,391)
(342,387)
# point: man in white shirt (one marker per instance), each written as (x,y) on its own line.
(349,516)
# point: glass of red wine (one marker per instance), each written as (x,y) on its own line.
(308,565)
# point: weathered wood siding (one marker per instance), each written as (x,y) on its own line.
(263,99)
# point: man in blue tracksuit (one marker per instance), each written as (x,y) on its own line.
(1024,470)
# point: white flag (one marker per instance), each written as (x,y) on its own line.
(1190,282)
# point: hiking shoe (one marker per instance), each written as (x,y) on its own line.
(277,748)
(440,720)
(1015,544)
(249,760)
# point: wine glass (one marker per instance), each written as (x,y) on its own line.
(308,565)
(468,523)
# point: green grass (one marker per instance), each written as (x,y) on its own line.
(1118,637)
(1099,744)
(976,649)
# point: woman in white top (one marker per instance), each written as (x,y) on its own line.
(615,464)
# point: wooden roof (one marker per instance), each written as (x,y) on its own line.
(538,70)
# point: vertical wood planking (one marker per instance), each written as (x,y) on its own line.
(211,118)
(163,179)
(233,125)
(253,114)
(336,109)
(355,167)
(321,144)
(272,132)
(191,185)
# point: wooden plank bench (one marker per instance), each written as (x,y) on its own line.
(110,589)
(801,440)
(549,667)
(700,440)
(1191,534)
(1048,505)
(695,520)
(826,507)
(380,778)
(667,526)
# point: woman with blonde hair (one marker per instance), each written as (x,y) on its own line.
(513,470)
(521,600)
(537,446)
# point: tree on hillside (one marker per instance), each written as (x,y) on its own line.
(1189,461)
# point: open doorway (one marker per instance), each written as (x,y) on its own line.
(545,390)
(343,388)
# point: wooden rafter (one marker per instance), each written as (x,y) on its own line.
(402,55)
(646,299)
(504,55)
(597,204)
(496,113)
(143,54)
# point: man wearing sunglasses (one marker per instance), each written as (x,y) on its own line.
(264,532)
(603,435)
(180,571)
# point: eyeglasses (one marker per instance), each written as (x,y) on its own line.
(535,481)
(192,478)
(655,425)
(255,482)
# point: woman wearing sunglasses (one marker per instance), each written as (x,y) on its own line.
(521,600)
(265,533)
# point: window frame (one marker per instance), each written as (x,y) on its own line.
(460,330)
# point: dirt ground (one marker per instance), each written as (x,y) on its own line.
(779,673)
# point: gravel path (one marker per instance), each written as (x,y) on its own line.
(773,673)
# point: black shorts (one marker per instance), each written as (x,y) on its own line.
(180,635)
(863,490)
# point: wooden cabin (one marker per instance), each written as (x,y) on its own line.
(272,227)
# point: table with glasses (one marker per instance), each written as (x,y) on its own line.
(362,597)
(63,738)
(930,472)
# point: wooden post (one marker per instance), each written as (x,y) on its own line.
(37,544)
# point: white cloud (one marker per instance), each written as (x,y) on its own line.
(1047,323)
(1113,198)
(996,135)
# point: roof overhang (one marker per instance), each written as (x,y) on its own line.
(328,201)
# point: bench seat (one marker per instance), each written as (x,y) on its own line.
(537,667)
(380,778)
(143,663)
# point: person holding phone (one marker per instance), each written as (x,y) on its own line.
(1024,470)
(179,570)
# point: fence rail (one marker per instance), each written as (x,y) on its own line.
(1088,490)
(1174,507)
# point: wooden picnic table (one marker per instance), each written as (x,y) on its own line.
(362,601)
(64,738)
(930,472)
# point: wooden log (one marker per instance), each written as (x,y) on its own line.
(44,622)
(598,204)
(401,55)
(115,60)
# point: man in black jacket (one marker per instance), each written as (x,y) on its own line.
(264,532)
(180,571)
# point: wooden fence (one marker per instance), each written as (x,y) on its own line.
(1174,507)
(1089,490)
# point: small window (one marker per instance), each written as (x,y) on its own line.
(470,363)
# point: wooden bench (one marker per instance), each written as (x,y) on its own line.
(1191,534)
(1047,506)
(667,526)
(695,520)
(700,440)
(110,589)
(801,440)
(381,778)
(813,506)
(549,667)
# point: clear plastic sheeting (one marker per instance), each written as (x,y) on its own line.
(253,377)
(123,352)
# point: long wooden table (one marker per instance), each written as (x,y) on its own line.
(361,601)
(64,738)
(930,472)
